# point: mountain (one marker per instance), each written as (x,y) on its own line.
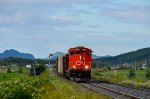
(139,56)
(56,55)
(17,54)
(95,56)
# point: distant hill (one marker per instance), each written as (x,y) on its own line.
(139,56)
(95,56)
(57,54)
(15,54)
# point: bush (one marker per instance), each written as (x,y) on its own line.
(109,68)
(98,74)
(41,66)
(38,69)
(20,70)
(128,82)
(132,73)
(8,70)
(4,76)
(147,73)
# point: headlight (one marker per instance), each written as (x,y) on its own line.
(74,66)
(86,67)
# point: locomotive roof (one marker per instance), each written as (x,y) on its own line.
(80,47)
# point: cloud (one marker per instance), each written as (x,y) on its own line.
(26,24)
(93,26)
(128,14)
(60,20)
(78,10)
(27,18)
(18,18)
(114,39)
(55,2)
(36,37)
(4,30)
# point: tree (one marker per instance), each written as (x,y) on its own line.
(147,73)
(93,65)
(109,68)
(8,70)
(41,66)
(131,73)
(20,69)
(38,69)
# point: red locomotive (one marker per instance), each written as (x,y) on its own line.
(76,64)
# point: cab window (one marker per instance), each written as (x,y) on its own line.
(83,52)
(88,53)
(77,52)
(71,53)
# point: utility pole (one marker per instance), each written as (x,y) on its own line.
(135,64)
(49,58)
(132,59)
(145,63)
(35,67)
(115,72)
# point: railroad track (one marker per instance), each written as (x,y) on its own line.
(117,92)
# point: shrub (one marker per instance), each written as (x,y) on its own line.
(131,73)
(8,70)
(98,74)
(41,66)
(38,69)
(4,76)
(20,70)
(128,82)
(109,68)
(147,73)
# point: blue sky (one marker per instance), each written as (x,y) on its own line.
(108,27)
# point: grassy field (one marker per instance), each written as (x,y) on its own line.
(63,90)
(45,86)
(122,75)
(7,76)
(122,78)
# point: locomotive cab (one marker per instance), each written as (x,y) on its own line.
(79,65)
(80,59)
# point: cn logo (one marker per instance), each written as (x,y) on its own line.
(80,62)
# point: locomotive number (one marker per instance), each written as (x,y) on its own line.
(80,62)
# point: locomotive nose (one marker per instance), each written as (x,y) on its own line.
(82,58)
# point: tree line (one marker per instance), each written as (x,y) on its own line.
(138,57)
(22,62)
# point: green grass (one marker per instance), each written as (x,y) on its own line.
(122,78)
(7,76)
(59,89)
(24,87)
(45,86)
(122,75)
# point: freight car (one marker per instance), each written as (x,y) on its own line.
(76,64)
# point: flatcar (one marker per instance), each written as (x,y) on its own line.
(76,64)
